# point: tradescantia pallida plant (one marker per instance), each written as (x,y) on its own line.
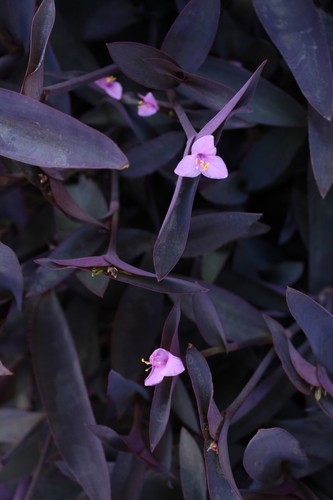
(166,198)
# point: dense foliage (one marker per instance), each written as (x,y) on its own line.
(219,278)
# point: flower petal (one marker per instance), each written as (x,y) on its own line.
(148,106)
(155,376)
(174,366)
(217,168)
(204,146)
(188,167)
(115,90)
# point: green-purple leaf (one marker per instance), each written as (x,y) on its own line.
(37,134)
(192,468)
(191,36)
(65,398)
(298,32)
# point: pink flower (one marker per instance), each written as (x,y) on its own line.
(4,371)
(147,106)
(202,160)
(163,364)
(111,87)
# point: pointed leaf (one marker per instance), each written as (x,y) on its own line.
(37,134)
(41,28)
(238,102)
(213,230)
(218,485)
(208,320)
(321,150)
(302,41)
(316,323)
(161,403)
(65,398)
(11,278)
(172,237)
(136,61)
(191,36)
(192,469)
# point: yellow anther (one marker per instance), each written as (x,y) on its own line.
(110,79)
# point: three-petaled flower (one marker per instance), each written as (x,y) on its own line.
(111,87)
(147,105)
(162,364)
(202,160)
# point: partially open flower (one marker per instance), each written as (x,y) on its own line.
(162,364)
(203,160)
(111,87)
(147,105)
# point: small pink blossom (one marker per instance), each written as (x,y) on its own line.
(202,160)
(111,87)
(163,364)
(147,105)
(4,371)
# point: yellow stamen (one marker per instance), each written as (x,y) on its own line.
(110,79)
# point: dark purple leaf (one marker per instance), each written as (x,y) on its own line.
(41,28)
(270,104)
(269,452)
(86,239)
(324,380)
(304,369)
(319,238)
(212,230)
(321,150)
(191,36)
(172,237)
(11,278)
(161,402)
(281,346)
(120,391)
(302,41)
(154,154)
(65,398)
(316,323)
(37,134)
(135,327)
(239,102)
(218,484)
(208,93)
(208,320)
(16,17)
(276,149)
(127,466)
(201,380)
(135,60)
(192,468)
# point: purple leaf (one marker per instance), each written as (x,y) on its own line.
(302,41)
(316,323)
(16,17)
(86,239)
(276,149)
(127,466)
(208,320)
(281,346)
(11,278)
(154,154)
(320,239)
(237,103)
(321,150)
(192,468)
(120,391)
(161,402)
(212,230)
(137,61)
(270,105)
(65,398)
(172,237)
(37,134)
(219,484)
(269,452)
(138,311)
(202,384)
(191,36)
(41,28)
(304,369)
